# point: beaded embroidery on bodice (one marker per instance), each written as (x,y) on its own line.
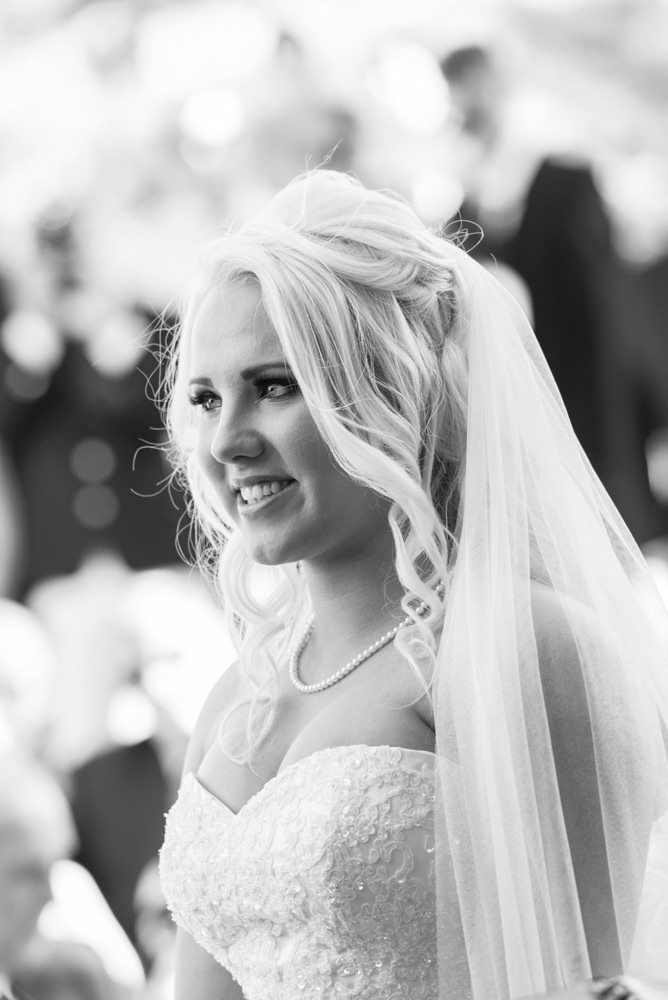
(322,886)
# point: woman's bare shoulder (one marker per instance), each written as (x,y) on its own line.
(219,698)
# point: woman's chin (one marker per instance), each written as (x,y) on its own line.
(271,552)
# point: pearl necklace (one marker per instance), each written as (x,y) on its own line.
(343,671)
(293,666)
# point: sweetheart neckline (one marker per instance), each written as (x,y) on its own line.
(302,760)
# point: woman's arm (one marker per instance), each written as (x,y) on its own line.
(199,976)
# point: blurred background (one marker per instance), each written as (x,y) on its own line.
(130,130)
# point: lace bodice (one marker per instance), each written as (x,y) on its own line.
(322,885)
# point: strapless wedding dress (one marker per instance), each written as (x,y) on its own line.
(322,885)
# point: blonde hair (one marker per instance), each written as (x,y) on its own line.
(363,298)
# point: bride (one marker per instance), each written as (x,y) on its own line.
(436,766)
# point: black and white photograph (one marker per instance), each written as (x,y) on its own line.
(334,500)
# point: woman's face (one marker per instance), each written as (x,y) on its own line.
(259,448)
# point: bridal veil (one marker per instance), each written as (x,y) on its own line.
(549,630)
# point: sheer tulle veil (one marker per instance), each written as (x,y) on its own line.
(543,620)
(550,687)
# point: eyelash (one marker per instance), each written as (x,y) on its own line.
(200,399)
(287,389)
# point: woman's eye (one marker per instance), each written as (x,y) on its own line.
(206,401)
(276,389)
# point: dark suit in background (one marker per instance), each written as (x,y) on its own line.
(583,315)
(119,800)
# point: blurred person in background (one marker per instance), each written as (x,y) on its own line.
(77,372)
(29,673)
(63,970)
(78,646)
(541,213)
(80,613)
(47,923)
(645,363)
(156,934)
(119,798)
(107,740)
(36,830)
(124,640)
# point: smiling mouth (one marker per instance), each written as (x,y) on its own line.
(251,495)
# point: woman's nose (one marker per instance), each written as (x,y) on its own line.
(235,438)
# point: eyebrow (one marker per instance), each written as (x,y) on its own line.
(248,374)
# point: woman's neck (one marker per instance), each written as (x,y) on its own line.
(353,602)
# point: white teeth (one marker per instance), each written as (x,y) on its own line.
(251,494)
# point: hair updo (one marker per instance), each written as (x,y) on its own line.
(363,298)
